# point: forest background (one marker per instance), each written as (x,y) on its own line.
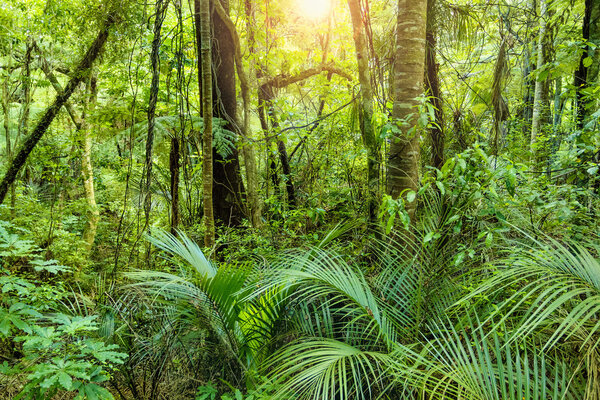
(299,199)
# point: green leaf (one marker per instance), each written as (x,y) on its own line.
(411,196)
(587,62)
(65,380)
(441,187)
(428,237)
(488,239)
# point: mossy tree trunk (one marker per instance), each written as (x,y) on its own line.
(409,71)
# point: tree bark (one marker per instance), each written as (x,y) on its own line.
(160,13)
(202,20)
(6,100)
(247,147)
(366,109)
(587,74)
(409,71)
(42,126)
(87,172)
(228,186)
(174,168)
(436,131)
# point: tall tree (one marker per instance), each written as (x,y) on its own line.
(432,84)
(87,172)
(160,12)
(366,108)
(409,70)
(247,146)
(228,190)
(589,62)
(538,98)
(202,22)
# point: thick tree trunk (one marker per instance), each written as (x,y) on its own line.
(202,19)
(409,71)
(588,73)
(228,185)
(42,126)
(247,147)
(366,109)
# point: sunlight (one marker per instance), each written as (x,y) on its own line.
(314,9)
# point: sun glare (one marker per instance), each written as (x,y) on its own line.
(314,9)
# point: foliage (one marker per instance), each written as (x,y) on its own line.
(48,350)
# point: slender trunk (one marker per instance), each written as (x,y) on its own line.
(174,168)
(87,172)
(282,152)
(409,71)
(432,84)
(42,126)
(160,13)
(366,109)
(6,121)
(175,153)
(248,148)
(536,120)
(202,19)
(498,103)
(24,119)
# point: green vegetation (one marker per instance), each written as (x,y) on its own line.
(299,200)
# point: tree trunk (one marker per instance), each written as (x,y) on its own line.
(160,13)
(501,112)
(588,73)
(202,19)
(87,172)
(42,126)
(228,186)
(174,167)
(247,147)
(432,84)
(6,100)
(536,120)
(409,70)
(366,109)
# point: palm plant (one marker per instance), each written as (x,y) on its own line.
(551,290)
(202,296)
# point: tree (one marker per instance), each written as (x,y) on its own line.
(202,19)
(228,190)
(538,100)
(432,83)
(160,11)
(409,69)
(589,62)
